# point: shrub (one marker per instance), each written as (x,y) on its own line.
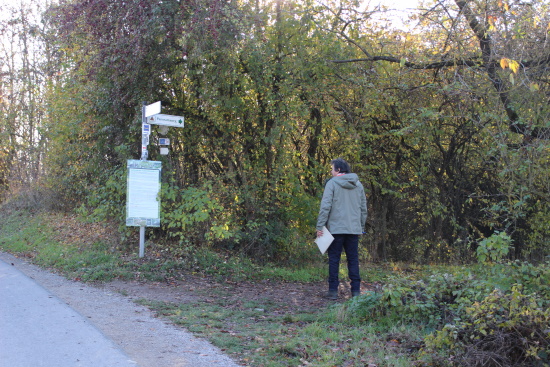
(505,329)
(494,248)
(432,301)
(365,306)
(106,198)
(193,215)
(492,315)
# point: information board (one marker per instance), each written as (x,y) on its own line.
(142,200)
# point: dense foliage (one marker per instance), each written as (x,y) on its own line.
(446,122)
(495,315)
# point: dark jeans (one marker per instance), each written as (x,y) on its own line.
(349,243)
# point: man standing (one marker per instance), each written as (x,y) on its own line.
(344,213)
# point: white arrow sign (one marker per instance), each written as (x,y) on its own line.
(166,120)
(152,109)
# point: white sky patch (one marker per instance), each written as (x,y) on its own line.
(397,10)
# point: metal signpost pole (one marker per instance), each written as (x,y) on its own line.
(144,155)
(141,240)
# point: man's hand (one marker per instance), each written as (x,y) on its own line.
(319,233)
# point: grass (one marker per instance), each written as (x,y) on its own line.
(257,336)
(30,236)
(255,332)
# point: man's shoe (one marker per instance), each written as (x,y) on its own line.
(332,294)
(355,294)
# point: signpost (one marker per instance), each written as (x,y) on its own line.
(166,120)
(142,202)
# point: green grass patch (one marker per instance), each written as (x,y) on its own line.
(257,335)
(30,236)
(237,268)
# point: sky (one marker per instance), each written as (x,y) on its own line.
(401,5)
(397,4)
(399,10)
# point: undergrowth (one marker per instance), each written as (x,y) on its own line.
(489,315)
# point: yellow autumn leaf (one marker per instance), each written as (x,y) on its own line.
(534,87)
(514,66)
(504,63)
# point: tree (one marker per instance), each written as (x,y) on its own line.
(477,85)
(24,62)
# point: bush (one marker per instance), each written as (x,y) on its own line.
(505,329)
(494,248)
(493,315)
(106,198)
(194,215)
(432,301)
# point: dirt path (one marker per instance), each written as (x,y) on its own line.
(291,297)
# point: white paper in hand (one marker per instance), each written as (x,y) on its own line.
(324,241)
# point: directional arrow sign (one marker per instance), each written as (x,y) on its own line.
(166,120)
(152,109)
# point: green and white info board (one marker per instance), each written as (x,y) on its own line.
(142,200)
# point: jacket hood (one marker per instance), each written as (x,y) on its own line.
(347,181)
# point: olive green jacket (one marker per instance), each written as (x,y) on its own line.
(343,206)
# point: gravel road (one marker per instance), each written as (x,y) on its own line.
(147,340)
